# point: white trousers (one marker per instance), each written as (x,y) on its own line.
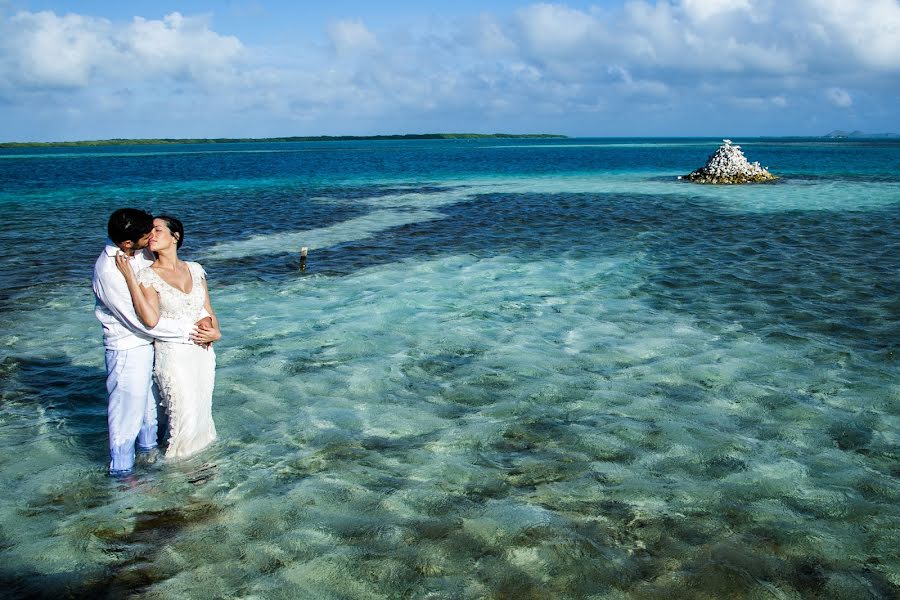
(131,412)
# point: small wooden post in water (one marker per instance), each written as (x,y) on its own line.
(303,252)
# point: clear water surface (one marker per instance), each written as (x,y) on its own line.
(511,369)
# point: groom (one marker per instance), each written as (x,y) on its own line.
(131,412)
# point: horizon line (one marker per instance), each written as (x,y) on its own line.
(835,134)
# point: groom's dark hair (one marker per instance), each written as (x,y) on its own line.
(129,225)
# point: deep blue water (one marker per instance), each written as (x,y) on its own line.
(511,368)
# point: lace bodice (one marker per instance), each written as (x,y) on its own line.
(173,303)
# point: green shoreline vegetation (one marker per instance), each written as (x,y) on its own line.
(318,138)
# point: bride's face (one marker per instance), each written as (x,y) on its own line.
(161,238)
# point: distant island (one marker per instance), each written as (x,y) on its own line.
(837,133)
(317,138)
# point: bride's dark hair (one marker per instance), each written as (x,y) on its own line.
(175,227)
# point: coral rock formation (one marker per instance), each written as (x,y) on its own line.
(728,165)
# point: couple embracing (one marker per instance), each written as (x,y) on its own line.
(148,299)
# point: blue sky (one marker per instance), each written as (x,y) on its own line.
(256,68)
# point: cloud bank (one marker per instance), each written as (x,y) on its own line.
(681,67)
(46,51)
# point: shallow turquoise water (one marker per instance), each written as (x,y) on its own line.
(511,369)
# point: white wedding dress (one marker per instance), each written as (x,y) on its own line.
(185,373)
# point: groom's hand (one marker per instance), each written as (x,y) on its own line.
(204,332)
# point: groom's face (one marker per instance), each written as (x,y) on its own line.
(130,247)
(143,241)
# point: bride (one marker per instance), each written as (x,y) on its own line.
(185,372)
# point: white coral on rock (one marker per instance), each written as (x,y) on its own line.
(729,165)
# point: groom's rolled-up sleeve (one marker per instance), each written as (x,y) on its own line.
(112,291)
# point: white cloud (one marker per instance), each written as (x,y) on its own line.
(44,50)
(177,44)
(758,102)
(491,39)
(553,29)
(839,97)
(351,37)
(626,85)
(703,10)
(868,29)
(652,33)
(704,36)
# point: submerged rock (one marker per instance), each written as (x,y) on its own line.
(728,165)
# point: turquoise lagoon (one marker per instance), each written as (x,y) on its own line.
(511,369)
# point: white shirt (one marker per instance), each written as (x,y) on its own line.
(122,329)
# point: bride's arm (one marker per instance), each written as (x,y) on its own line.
(145,299)
(207,334)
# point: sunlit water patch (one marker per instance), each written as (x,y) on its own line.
(434,428)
